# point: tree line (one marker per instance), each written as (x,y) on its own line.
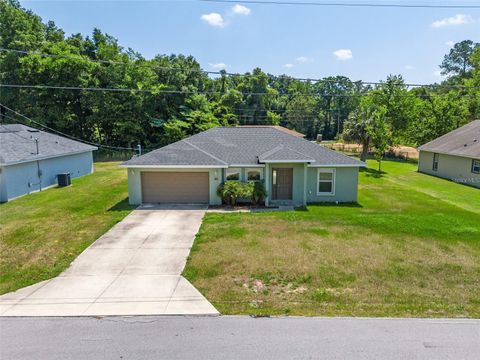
(161,100)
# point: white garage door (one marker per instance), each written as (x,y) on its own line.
(175,187)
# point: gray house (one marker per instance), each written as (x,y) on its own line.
(30,160)
(454,156)
(295,171)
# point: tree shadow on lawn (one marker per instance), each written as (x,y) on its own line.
(373,173)
(122,205)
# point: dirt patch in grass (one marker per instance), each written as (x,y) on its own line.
(407,152)
(401,253)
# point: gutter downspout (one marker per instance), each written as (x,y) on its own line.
(39,171)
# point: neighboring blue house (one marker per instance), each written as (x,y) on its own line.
(295,171)
(30,160)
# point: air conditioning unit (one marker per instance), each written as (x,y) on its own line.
(64,179)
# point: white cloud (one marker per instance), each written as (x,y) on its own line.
(302,59)
(409,67)
(240,10)
(214,19)
(343,54)
(218,66)
(450,43)
(458,19)
(288,66)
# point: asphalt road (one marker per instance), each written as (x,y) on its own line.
(232,337)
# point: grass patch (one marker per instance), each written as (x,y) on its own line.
(41,233)
(410,247)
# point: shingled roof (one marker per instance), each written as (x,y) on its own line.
(464,141)
(241,146)
(17,145)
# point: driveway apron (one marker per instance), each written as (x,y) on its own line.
(133,269)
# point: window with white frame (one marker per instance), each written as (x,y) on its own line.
(476,166)
(435,162)
(232,174)
(254,174)
(326,182)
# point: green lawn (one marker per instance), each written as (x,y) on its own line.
(411,247)
(41,233)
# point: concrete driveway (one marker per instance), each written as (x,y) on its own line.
(133,269)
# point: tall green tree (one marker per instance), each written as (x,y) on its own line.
(458,61)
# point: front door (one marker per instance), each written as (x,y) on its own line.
(282,183)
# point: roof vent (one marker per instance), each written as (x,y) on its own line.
(33,130)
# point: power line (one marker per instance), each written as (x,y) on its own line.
(14,132)
(153,91)
(230,74)
(191,92)
(63,134)
(339,4)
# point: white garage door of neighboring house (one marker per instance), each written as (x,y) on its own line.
(175,187)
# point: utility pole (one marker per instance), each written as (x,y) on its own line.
(338,123)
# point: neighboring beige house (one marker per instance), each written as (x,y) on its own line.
(454,156)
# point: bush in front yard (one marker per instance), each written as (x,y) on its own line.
(259,193)
(231,191)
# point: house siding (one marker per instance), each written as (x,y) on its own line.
(346,184)
(135,183)
(3,185)
(15,179)
(298,183)
(455,168)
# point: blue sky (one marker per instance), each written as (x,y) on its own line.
(304,41)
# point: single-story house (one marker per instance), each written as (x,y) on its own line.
(295,171)
(454,156)
(30,160)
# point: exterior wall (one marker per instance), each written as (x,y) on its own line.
(135,185)
(298,183)
(3,185)
(21,179)
(455,168)
(346,185)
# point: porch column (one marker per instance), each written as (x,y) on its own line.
(305,184)
(267,183)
